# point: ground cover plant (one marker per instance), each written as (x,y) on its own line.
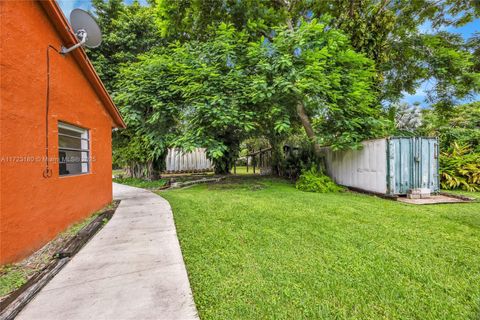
(314,181)
(242,170)
(274,251)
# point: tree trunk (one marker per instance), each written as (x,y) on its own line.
(301,112)
(221,166)
(276,156)
(304,118)
(143,171)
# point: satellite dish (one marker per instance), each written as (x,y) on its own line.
(86,30)
(82,20)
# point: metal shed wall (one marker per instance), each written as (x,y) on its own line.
(363,169)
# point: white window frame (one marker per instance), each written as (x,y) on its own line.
(85,148)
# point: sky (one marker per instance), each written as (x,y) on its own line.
(68,5)
(466,31)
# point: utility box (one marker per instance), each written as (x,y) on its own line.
(390,166)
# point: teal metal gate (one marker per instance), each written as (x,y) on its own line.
(412,163)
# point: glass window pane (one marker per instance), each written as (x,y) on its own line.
(72,162)
(68,142)
(84,167)
(84,144)
(69,132)
(73,156)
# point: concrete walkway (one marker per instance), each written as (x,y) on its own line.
(132,269)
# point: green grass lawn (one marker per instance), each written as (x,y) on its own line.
(140,183)
(117,172)
(242,170)
(475,195)
(260,249)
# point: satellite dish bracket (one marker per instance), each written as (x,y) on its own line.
(82,36)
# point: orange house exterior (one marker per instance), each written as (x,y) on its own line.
(36,204)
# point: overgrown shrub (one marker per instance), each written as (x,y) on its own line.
(314,181)
(460,168)
(298,156)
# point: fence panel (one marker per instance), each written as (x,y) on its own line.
(180,161)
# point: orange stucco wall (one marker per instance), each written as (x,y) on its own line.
(35,209)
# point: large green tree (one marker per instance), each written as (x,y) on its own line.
(187,95)
(312,75)
(128,31)
(150,100)
(217,114)
(227,89)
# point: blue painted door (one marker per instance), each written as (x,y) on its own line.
(412,163)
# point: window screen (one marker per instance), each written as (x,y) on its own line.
(73,149)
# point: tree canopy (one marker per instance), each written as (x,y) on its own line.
(387,31)
(226,89)
(149,100)
(213,73)
(312,73)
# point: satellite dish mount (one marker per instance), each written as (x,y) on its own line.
(82,36)
(86,30)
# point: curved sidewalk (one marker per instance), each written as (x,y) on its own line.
(132,269)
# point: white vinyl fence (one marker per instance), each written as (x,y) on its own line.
(180,161)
